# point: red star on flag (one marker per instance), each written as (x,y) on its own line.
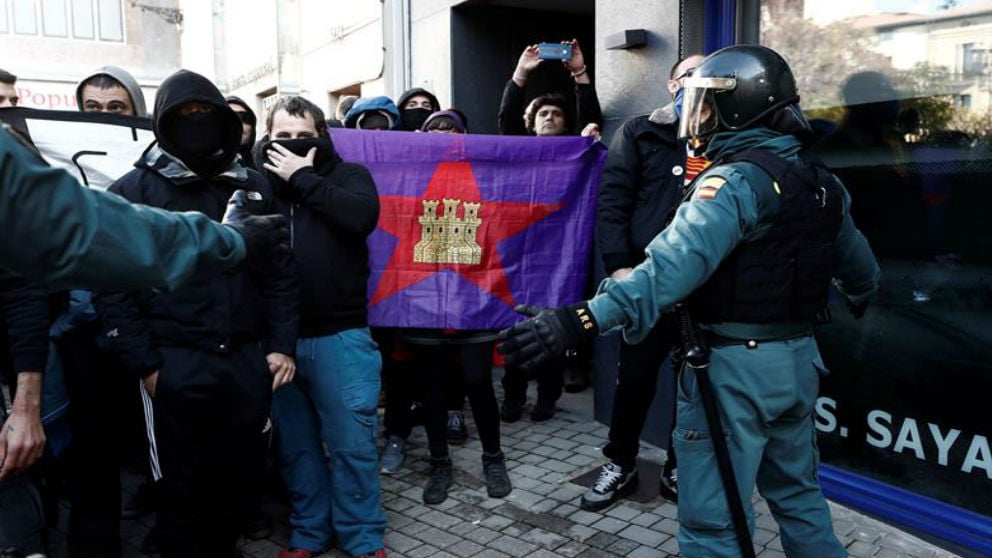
(500,220)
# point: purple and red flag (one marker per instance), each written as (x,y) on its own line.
(472,225)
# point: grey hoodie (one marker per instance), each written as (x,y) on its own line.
(123,77)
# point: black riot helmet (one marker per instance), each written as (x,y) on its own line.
(735,88)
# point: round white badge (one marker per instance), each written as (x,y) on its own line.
(677,170)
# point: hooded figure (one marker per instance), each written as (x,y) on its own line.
(412,118)
(372,108)
(210,352)
(207,141)
(123,78)
(248,118)
(452,121)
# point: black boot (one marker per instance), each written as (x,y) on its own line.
(543,410)
(498,482)
(439,482)
(512,408)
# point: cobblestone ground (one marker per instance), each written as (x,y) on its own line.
(541,517)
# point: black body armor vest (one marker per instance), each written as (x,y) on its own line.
(785,274)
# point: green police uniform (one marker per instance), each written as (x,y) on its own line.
(766,393)
(57,232)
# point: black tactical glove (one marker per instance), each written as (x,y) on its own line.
(265,236)
(546,334)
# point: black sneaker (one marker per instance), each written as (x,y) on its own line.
(512,409)
(457,432)
(668,486)
(498,482)
(543,410)
(439,482)
(612,484)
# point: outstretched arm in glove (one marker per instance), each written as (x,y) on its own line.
(546,334)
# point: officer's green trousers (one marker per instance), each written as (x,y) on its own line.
(766,397)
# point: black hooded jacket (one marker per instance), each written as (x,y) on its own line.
(413,125)
(211,312)
(333,207)
(245,151)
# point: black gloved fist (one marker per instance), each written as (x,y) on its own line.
(546,334)
(265,236)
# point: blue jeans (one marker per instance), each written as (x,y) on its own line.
(332,402)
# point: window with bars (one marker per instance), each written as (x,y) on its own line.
(95,20)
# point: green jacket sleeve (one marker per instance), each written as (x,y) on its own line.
(680,259)
(57,232)
(856,271)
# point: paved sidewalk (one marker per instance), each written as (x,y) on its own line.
(541,517)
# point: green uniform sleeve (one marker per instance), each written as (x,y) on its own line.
(57,232)
(722,212)
(856,271)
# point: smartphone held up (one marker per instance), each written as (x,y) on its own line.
(554,51)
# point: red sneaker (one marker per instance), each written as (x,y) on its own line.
(297,553)
(381,553)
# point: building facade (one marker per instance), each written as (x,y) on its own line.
(51,44)
(260,49)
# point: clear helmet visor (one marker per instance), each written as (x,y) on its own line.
(699,116)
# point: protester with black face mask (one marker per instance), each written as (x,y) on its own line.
(211,352)
(248,125)
(415,106)
(331,406)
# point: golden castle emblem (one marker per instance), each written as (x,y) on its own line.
(449,239)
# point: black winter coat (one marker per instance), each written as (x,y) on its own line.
(211,312)
(641,185)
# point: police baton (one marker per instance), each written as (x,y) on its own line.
(697,358)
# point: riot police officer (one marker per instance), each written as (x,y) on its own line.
(752,250)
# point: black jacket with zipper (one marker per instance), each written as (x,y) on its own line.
(212,311)
(641,184)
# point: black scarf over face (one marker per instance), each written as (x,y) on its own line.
(324,161)
(199,141)
(206,142)
(413,119)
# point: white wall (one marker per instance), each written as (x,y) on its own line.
(431,47)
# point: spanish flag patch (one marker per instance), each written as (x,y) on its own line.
(709,187)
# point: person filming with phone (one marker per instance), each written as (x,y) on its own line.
(550,113)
